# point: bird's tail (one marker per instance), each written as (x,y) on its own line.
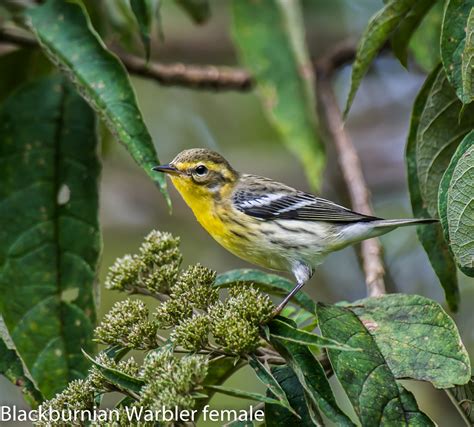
(393,223)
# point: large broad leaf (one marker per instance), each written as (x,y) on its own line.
(270,283)
(65,33)
(402,35)
(424,44)
(457,47)
(431,237)
(311,375)
(417,338)
(467,74)
(271,45)
(440,130)
(49,239)
(198,10)
(19,67)
(456,204)
(275,415)
(12,368)
(463,398)
(366,377)
(378,31)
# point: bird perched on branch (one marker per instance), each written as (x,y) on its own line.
(265,222)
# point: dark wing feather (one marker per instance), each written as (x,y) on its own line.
(284,202)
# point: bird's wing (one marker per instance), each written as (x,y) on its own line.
(267,200)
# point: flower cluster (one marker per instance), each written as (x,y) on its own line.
(127,325)
(152,270)
(192,291)
(235,322)
(189,307)
(172,381)
(78,395)
(192,333)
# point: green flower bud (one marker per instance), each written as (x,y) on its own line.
(232,332)
(127,324)
(192,333)
(155,268)
(171,381)
(171,312)
(78,395)
(196,286)
(162,257)
(250,304)
(124,275)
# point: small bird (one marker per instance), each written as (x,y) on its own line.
(265,222)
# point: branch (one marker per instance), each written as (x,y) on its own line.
(206,77)
(191,76)
(349,162)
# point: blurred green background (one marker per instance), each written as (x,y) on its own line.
(234,124)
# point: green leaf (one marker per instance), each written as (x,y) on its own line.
(462,397)
(417,338)
(311,375)
(19,67)
(286,332)
(424,44)
(118,378)
(457,47)
(12,368)
(198,10)
(243,394)
(402,35)
(144,11)
(377,32)
(366,377)
(266,377)
(430,237)
(440,130)
(456,205)
(270,283)
(50,240)
(467,72)
(283,75)
(276,416)
(116,352)
(67,37)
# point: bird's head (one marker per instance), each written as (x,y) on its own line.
(199,173)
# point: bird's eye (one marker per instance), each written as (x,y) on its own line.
(201,170)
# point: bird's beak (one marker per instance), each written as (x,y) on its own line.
(167,169)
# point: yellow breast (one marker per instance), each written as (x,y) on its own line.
(238,233)
(210,213)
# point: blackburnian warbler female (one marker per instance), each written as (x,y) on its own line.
(265,222)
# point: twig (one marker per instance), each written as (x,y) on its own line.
(349,162)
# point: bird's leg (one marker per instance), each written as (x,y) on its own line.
(281,306)
(302,273)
